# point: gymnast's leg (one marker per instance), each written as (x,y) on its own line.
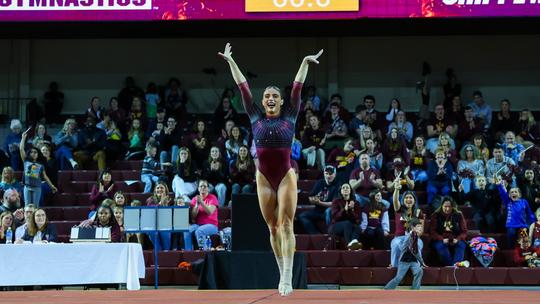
(287,198)
(268,204)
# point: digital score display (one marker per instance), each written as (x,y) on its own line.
(253,6)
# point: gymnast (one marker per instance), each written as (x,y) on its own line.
(273,131)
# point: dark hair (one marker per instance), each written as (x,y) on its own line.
(477,93)
(351,195)
(359,108)
(112,219)
(100,177)
(336,95)
(196,126)
(412,222)
(374,205)
(468,108)
(498,146)
(369,97)
(398,104)
(445,199)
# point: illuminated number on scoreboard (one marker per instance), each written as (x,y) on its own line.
(282,4)
(323,4)
(297,4)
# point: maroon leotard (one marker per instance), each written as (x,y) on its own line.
(273,136)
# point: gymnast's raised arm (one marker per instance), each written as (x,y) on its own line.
(235,71)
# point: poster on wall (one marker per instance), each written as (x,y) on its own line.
(151,10)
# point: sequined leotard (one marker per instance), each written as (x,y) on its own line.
(273,136)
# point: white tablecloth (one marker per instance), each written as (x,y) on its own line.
(70,264)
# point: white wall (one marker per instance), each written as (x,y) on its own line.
(500,66)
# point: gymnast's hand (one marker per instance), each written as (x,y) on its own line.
(227,53)
(313,58)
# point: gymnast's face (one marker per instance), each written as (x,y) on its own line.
(272,102)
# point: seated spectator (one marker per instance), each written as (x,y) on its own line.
(105,218)
(148,171)
(130,91)
(440,174)
(365,135)
(481,109)
(439,124)
(499,165)
(204,212)
(40,137)
(113,146)
(136,139)
(157,124)
(404,210)
(372,118)
(28,214)
(448,232)
(137,111)
(526,255)
(225,134)
(12,203)
(469,126)
(513,149)
(504,121)
(357,122)
(104,188)
(527,128)
(321,196)
(313,139)
(534,231)
(224,112)
(95,110)
(343,112)
(11,144)
(169,141)
(469,167)
(242,172)
(529,186)
(311,99)
(184,184)
(456,111)
(40,230)
(119,216)
(404,128)
(410,256)
(91,145)
(365,179)
(343,159)
(518,212)
(335,128)
(160,197)
(346,218)
(373,151)
(485,204)
(9,181)
(6,223)
(34,174)
(199,142)
(232,145)
(480,143)
(446,144)
(53,100)
(66,140)
(215,171)
(419,157)
(395,146)
(118,114)
(400,172)
(375,224)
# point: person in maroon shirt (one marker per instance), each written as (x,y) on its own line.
(365,179)
(448,232)
(469,126)
(273,131)
(439,124)
(346,218)
(395,146)
(242,172)
(105,218)
(104,188)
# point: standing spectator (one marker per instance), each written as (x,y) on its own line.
(451,87)
(366,134)
(481,109)
(375,224)
(103,189)
(346,218)
(321,196)
(215,171)
(448,232)
(184,184)
(91,145)
(365,179)
(53,102)
(313,140)
(456,112)
(511,149)
(242,172)
(446,144)
(34,174)
(51,168)
(336,128)
(11,144)
(95,110)
(440,174)
(152,101)
(200,142)
(169,140)
(224,112)
(519,214)
(130,91)
(225,134)
(372,116)
(204,212)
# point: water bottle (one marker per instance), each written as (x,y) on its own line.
(9,236)
(208,243)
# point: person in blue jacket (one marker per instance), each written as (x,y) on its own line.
(519,213)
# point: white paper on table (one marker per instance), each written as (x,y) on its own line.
(75,233)
(106,233)
(99,233)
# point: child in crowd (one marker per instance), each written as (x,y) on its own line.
(524,254)
(148,172)
(375,222)
(534,231)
